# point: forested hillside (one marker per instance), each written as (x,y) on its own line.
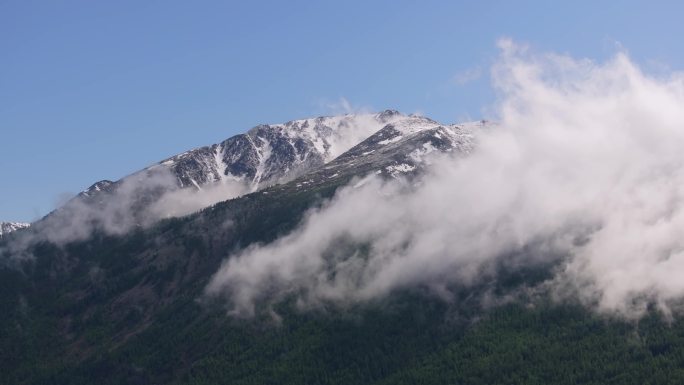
(132,309)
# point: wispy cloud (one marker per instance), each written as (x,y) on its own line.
(341,106)
(466,76)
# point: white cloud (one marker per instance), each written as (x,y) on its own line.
(140,200)
(586,162)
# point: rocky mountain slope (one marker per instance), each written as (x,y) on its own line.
(388,143)
(266,154)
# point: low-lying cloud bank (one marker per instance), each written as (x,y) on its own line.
(587,160)
(138,201)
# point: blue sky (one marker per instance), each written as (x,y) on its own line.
(96,90)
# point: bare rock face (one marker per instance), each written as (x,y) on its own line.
(270,154)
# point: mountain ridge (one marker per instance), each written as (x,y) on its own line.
(267,153)
(272,154)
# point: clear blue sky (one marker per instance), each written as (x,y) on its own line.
(93,90)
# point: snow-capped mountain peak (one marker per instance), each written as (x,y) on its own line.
(306,152)
(333,135)
(388,142)
(273,153)
(8,227)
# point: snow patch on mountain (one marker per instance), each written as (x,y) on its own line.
(9,227)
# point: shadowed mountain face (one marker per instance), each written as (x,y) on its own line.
(273,154)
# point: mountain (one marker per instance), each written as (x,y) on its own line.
(8,227)
(388,143)
(131,306)
(266,154)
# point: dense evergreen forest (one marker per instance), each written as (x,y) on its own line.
(130,309)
